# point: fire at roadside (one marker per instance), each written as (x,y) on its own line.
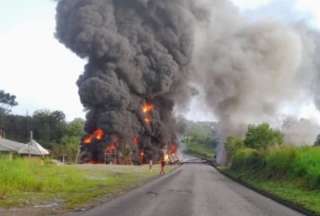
(101,147)
(134,77)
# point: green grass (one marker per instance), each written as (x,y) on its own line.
(282,162)
(29,182)
(290,190)
(199,150)
(292,173)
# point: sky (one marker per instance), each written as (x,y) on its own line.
(42,73)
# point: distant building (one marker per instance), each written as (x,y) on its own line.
(10,146)
(32,148)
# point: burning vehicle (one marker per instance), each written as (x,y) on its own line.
(101,147)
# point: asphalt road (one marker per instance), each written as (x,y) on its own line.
(192,190)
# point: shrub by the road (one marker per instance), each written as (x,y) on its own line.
(279,160)
(246,159)
(307,166)
(285,162)
(290,172)
(262,153)
(262,136)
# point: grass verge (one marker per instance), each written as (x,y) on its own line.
(290,190)
(31,182)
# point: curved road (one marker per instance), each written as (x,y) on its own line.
(192,190)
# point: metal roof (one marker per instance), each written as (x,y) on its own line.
(32,147)
(9,145)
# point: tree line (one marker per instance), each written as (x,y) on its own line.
(50,128)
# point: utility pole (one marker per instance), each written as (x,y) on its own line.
(30,142)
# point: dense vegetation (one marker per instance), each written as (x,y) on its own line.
(288,171)
(50,128)
(198,138)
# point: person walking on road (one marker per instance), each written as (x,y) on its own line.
(162,164)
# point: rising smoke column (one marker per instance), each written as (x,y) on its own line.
(300,132)
(250,70)
(138,52)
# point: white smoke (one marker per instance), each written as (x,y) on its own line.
(300,132)
(250,70)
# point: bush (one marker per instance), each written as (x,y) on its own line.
(232,145)
(262,152)
(307,166)
(247,159)
(262,136)
(279,160)
(296,163)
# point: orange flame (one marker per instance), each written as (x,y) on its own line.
(141,156)
(147,107)
(172,149)
(88,139)
(148,119)
(99,134)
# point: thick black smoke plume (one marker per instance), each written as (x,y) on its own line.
(138,52)
(142,51)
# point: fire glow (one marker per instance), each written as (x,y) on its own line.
(171,154)
(98,134)
(136,140)
(148,120)
(88,139)
(172,149)
(147,107)
(147,110)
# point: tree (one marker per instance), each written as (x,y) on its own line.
(17,127)
(7,101)
(317,142)
(49,127)
(232,145)
(262,136)
(75,128)
(69,147)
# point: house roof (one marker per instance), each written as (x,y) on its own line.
(9,145)
(32,147)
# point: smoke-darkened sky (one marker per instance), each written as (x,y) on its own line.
(42,73)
